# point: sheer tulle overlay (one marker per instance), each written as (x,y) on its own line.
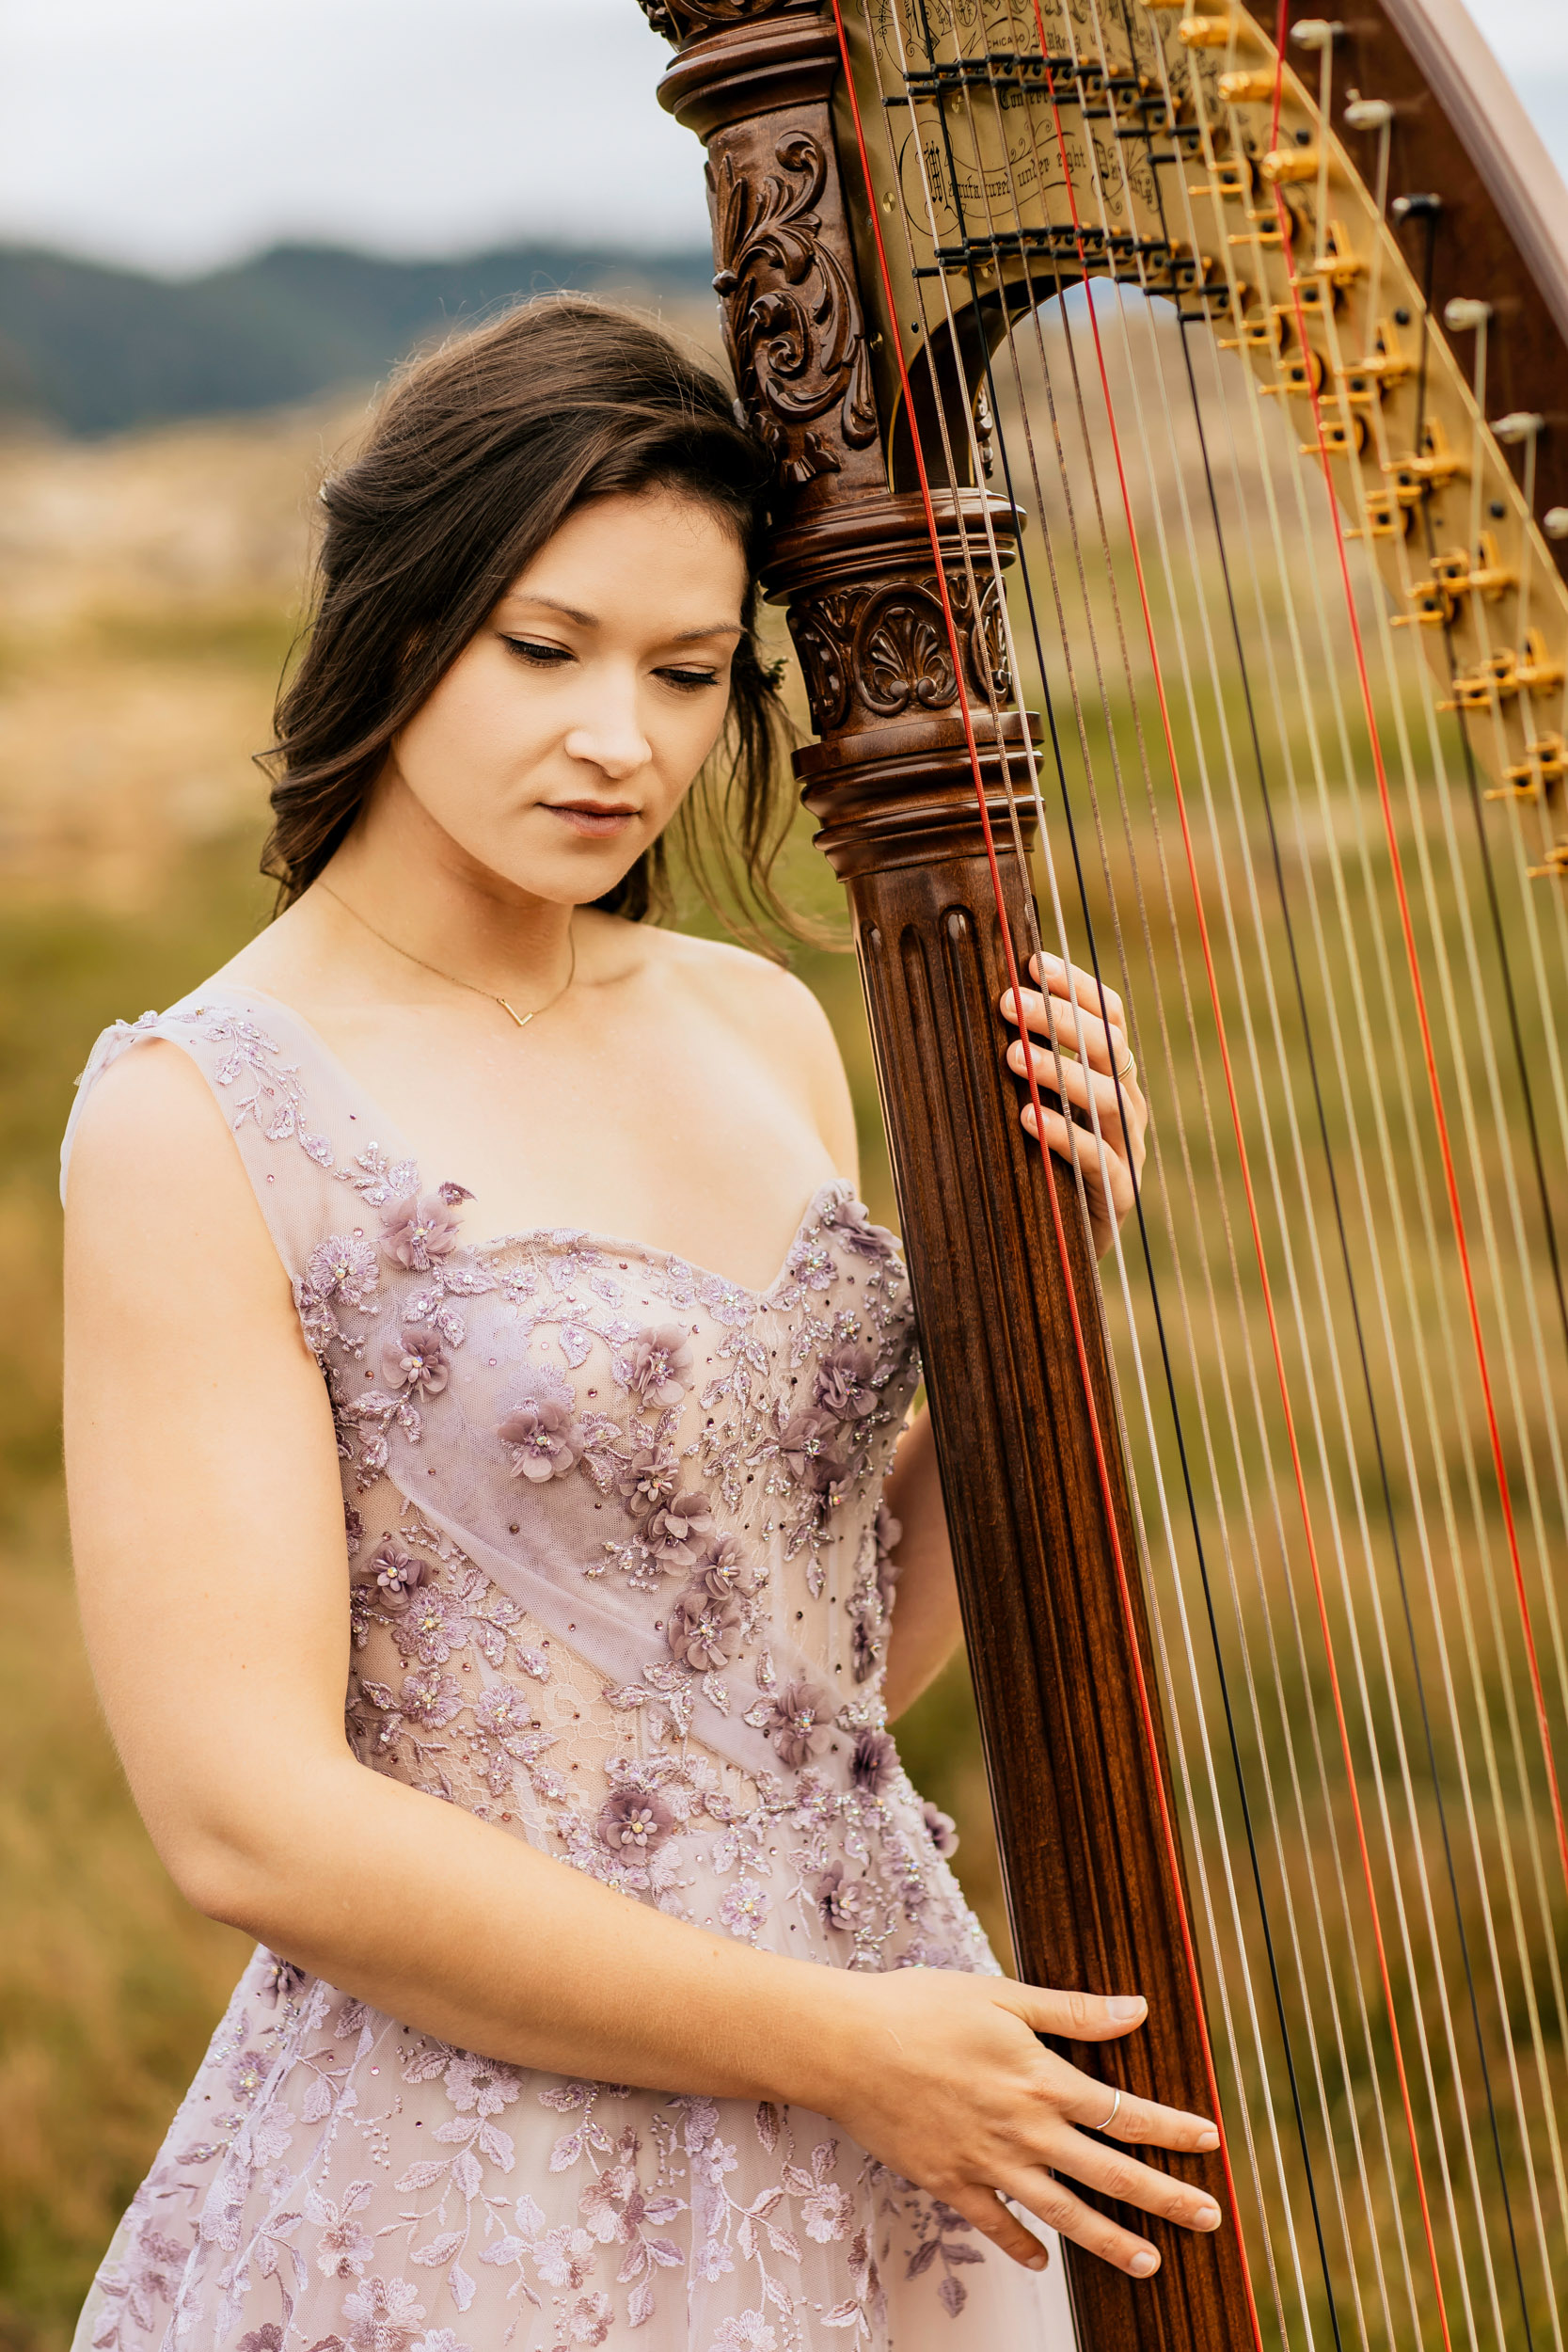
(619,1582)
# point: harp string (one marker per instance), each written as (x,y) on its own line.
(1551,2125)
(1469,1977)
(1160,1628)
(1250,1196)
(1512,1197)
(1166,1654)
(1415,1345)
(1157,368)
(1453,1718)
(1164,1650)
(1486,1910)
(1428,1049)
(1259,767)
(1438,1459)
(1146,1711)
(1484,845)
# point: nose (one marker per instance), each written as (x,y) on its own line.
(609,736)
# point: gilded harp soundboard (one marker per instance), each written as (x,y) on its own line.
(1171,452)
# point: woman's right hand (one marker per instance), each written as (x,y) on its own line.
(948,2085)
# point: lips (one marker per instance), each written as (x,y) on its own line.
(594,820)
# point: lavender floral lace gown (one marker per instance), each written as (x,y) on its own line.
(618,1580)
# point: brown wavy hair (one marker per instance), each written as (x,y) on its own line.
(475,458)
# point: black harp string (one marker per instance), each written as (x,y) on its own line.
(1334,1361)
(1186,322)
(1502,1999)
(1246,1805)
(968,254)
(1322,2096)
(957,661)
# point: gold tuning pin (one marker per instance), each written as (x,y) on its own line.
(1339,265)
(1385,517)
(1556,862)
(1490,576)
(1454,575)
(1431,467)
(1342,437)
(1300,376)
(1263,332)
(1205,32)
(1386,365)
(1242,89)
(1282,165)
(1545,764)
(1537,674)
(1230,184)
(1507,673)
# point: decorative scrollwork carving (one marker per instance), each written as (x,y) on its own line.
(680,20)
(792,321)
(870,655)
(823,627)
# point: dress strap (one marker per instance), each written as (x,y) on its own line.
(318,1153)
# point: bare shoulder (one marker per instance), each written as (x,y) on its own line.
(152,1164)
(748,990)
(777,1018)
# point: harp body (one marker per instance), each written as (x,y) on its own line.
(883,237)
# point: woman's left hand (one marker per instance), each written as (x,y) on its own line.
(1109,1175)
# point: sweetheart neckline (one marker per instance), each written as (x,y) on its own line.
(610,1242)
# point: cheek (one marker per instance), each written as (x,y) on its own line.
(465,744)
(686,736)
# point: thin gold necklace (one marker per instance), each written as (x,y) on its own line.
(522,1018)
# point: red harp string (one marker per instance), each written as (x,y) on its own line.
(1450,1180)
(1146,1707)
(1243,1159)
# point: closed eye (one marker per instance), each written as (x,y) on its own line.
(689,681)
(543,657)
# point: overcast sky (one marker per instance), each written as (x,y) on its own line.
(175,135)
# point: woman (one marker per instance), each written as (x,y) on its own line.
(620,1566)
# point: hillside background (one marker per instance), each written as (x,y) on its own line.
(160,449)
(87,349)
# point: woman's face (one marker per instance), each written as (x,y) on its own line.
(563,738)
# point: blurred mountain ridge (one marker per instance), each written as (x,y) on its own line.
(90,350)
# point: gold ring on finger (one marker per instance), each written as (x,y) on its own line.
(1128,1067)
(1115,2111)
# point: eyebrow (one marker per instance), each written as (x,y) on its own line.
(587,620)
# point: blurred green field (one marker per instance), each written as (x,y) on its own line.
(135,677)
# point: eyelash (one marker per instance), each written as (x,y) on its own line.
(542,657)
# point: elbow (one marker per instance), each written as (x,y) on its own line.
(276,1871)
(218,1878)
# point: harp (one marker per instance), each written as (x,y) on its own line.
(1172,478)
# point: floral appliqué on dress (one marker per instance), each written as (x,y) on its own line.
(619,1581)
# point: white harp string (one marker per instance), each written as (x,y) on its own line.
(1376,1306)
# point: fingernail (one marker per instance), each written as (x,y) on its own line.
(1038,2262)
(1125,2008)
(1142,2264)
(1210,2220)
(1208,2140)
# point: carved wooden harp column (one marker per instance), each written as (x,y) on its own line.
(891,778)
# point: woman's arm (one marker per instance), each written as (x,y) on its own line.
(207,1518)
(926,1629)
